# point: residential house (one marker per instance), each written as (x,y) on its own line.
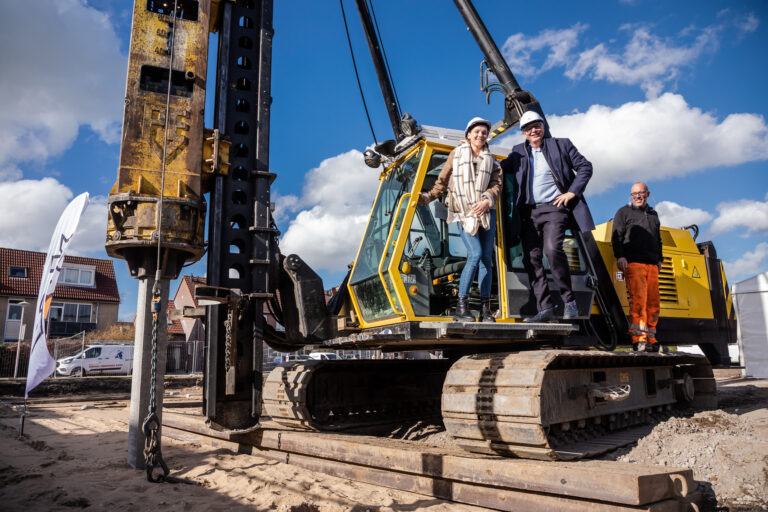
(194,328)
(175,330)
(86,296)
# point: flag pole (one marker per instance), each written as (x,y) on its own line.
(21,420)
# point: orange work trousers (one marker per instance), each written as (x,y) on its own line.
(644,303)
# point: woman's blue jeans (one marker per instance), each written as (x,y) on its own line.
(479,254)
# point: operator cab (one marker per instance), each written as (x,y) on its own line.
(410,259)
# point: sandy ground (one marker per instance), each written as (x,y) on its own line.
(73,457)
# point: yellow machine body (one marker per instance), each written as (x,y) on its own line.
(157,124)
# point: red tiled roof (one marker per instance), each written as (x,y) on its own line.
(174,327)
(104,291)
(191,282)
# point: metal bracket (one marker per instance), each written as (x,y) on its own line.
(215,152)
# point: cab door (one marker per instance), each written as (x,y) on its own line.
(375,289)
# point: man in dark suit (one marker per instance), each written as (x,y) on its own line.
(550,178)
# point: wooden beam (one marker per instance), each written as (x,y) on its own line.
(468,478)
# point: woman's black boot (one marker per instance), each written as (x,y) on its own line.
(462,313)
(485,312)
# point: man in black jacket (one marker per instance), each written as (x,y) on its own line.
(550,178)
(636,241)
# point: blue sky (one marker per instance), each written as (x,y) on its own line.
(672,93)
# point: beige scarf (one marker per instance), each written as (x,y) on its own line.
(467,187)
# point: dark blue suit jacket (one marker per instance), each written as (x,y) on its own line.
(570,169)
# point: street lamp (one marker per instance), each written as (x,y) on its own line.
(23,305)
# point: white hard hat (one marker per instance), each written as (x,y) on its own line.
(530,117)
(474,122)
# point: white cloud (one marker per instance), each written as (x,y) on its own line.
(647,60)
(747,24)
(675,215)
(334,208)
(92,230)
(748,265)
(62,68)
(519,49)
(284,205)
(658,139)
(10,173)
(749,215)
(30,209)
(643,58)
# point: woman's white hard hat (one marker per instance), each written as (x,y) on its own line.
(474,122)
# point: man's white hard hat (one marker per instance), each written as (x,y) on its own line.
(530,117)
(474,122)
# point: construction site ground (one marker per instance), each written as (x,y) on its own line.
(74,450)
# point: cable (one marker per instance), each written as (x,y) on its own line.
(175,16)
(357,75)
(384,54)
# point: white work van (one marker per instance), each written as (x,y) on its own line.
(324,356)
(98,359)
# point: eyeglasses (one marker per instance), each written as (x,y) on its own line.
(639,194)
(531,126)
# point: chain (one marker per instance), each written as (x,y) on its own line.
(151,426)
(152,453)
(228,338)
(153,456)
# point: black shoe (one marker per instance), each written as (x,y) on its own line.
(545,315)
(652,347)
(485,311)
(462,312)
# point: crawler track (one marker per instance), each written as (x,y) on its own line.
(339,395)
(546,404)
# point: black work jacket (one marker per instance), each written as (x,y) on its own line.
(636,235)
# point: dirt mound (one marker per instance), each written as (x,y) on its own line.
(727,448)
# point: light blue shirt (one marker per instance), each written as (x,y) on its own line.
(541,183)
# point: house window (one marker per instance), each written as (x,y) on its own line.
(18,272)
(56,312)
(76,275)
(67,312)
(14,309)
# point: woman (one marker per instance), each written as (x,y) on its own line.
(472,178)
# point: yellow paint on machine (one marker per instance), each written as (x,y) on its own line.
(683,279)
(133,200)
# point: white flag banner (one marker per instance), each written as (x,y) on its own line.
(41,364)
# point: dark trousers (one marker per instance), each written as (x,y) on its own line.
(543,232)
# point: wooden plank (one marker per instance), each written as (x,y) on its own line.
(614,482)
(460,492)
